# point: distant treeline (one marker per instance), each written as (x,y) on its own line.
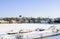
(31,20)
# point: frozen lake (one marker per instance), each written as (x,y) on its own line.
(4,28)
(8,27)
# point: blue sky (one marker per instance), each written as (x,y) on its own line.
(30,8)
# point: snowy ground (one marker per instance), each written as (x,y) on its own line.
(8,27)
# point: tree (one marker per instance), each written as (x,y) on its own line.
(20,15)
